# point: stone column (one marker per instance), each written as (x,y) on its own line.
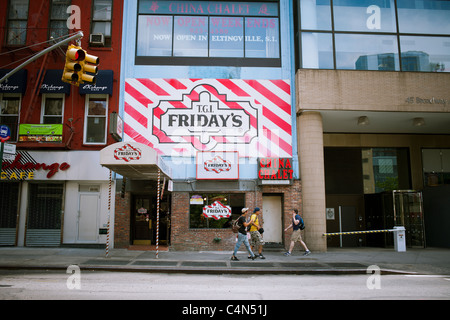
(312,175)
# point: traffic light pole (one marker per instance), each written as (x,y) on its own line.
(76,36)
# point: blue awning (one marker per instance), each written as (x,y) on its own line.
(53,84)
(17,83)
(103,85)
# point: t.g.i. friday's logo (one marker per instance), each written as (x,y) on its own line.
(205,119)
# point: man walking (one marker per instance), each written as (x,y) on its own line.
(242,236)
(255,232)
(297,221)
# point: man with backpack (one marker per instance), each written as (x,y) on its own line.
(240,224)
(297,226)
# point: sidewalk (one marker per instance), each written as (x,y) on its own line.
(335,261)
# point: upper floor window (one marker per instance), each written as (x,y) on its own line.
(58,18)
(17,22)
(96,114)
(389,35)
(9,112)
(52,108)
(208,32)
(102,19)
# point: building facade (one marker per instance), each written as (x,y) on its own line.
(373,112)
(53,190)
(209,87)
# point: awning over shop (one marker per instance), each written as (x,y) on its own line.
(17,83)
(103,85)
(134,161)
(52,83)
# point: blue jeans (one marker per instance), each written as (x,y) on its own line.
(242,238)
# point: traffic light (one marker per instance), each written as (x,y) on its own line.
(89,68)
(80,66)
(73,66)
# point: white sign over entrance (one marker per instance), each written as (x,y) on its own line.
(217,165)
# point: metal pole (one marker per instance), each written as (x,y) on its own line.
(340,226)
(109,214)
(78,35)
(157,213)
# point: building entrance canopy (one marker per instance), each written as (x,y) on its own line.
(134,161)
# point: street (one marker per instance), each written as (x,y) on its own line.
(91,285)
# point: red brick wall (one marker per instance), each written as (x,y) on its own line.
(122,223)
(185,239)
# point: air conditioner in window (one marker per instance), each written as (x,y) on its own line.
(97,39)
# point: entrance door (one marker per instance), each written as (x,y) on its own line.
(88,217)
(142,218)
(272,213)
(346,214)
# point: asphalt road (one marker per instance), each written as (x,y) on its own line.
(92,285)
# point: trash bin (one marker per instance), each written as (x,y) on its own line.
(400,239)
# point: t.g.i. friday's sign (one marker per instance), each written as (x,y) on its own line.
(179,117)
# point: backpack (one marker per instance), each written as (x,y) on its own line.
(235,226)
(301,224)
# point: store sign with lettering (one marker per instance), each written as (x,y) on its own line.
(23,167)
(127,153)
(275,170)
(208,8)
(217,211)
(217,166)
(180,117)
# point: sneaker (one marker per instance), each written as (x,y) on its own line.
(307,253)
(253,258)
(261,256)
(233,258)
(287,254)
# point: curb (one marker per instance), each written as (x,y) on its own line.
(203,270)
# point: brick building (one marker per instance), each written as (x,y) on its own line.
(208,86)
(53,189)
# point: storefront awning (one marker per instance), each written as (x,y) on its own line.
(103,85)
(52,83)
(134,161)
(17,83)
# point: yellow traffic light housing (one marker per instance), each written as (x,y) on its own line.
(89,68)
(80,66)
(74,56)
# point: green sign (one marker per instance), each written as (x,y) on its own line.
(41,132)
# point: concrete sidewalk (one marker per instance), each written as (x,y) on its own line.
(335,261)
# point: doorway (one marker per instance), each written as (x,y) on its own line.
(88,213)
(272,214)
(144,220)
(346,214)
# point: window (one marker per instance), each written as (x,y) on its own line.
(364,16)
(424,16)
(366,52)
(95,119)
(208,32)
(52,108)
(9,112)
(58,18)
(17,22)
(391,35)
(102,19)
(198,200)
